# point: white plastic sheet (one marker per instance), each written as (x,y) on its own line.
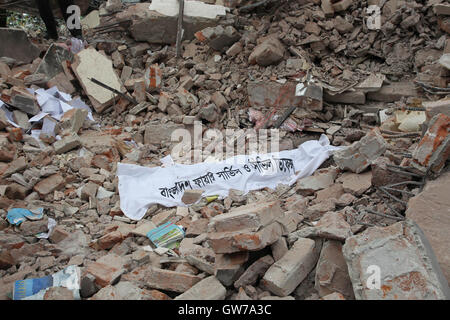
(140,187)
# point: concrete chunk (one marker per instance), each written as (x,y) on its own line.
(157,23)
(287,273)
(356,184)
(349,97)
(407,264)
(24,101)
(67,143)
(62,83)
(393,92)
(252,216)
(244,240)
(51,64)
(89,63)
(159,133)
(218,37)
(207,289)
(49,184)
(230,266)
(434,107)
(361,154)
(270,51)
(331,226)
(430,209)
(320,180)
(331,271)
(442,9)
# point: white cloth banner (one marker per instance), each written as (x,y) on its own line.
(140,187)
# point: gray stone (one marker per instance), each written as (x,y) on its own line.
(21,119)
(331,271)
(31,228)
(25,102)
(67,143)
(15,44)
(252,216)
(51,63)
(87,286)
(139,108)
(331,226)
(361,154)
(270,51)
(229,267)
(349,97)
(159,133)
(200,264)
(394,92)
(208,113)
(320,180)
(218,37)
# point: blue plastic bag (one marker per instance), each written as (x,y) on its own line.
(16,216)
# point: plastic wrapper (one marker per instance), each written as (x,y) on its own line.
(35,289)
(167,235)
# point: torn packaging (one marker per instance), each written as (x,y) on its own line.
(140,187)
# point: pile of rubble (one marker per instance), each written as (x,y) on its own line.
(71,111)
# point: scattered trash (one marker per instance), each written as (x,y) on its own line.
(409,121)
(35,289)
(167,236)
(212,198)
(16,216)
(51,225)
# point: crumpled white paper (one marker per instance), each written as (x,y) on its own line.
(140,187)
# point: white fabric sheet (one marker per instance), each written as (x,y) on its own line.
(140,187)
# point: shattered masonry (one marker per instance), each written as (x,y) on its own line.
(70,111)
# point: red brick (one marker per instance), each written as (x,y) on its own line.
(104,274)
(153,78)
(6,260)
(109,240)
(170,280)
(50,184)
(434,148)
